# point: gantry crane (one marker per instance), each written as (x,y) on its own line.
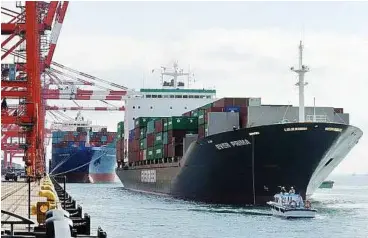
(21,79)
(54,81)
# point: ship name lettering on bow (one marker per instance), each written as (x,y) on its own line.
(231,144)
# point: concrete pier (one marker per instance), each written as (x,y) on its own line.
(15,198)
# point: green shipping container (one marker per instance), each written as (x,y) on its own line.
(143,133)
(141,122)
(192,123)
(192,132)
(209,105)
(182,123)
(195,113)
(150,153)
(165,137)
(166,124)
(201,117)
(120,130)
(159,152)
(143,144)
(151,127)
(158,138)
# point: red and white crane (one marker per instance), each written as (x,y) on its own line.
(28,25)
(34,84)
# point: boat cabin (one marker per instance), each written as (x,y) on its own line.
(289,200)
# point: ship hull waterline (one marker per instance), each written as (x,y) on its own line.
(247,166)
(85,164)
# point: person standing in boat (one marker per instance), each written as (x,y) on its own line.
(292,190)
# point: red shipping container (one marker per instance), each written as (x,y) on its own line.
(178,150)
(137,133)
(226,102)
(188,114)
(170,151)
(243,121)
(141,154)
(136,155)
(215,109)
(122,145)
(166,152)
(201,131)
(243,112)
(178,136)
(118,156)
(158,126)
(136,146)
(150,140)
(130,156)
(241,102)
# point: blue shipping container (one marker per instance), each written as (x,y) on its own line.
(12,72)
(232,109)
(131,135)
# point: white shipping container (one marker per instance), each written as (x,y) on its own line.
(144,154)
(188,140)
(254,102)
(219,122)
(274,114)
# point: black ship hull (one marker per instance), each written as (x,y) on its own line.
(247,166)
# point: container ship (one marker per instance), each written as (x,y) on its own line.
(83,152)
(188,144)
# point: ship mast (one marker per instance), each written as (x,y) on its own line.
(301,71)
(177,72)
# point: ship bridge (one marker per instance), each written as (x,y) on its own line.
(178,93)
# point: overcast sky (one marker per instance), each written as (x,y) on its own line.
(241,48)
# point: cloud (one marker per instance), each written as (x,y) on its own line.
(240,62)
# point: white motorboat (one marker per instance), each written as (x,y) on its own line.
(291,205)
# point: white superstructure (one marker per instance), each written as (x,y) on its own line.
(72,125)
(173,99)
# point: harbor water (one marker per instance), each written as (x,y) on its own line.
(342,212)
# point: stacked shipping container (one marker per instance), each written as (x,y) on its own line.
(157,138)
(120,142)
(239,105)
(63,139)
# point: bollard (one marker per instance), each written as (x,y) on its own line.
(101,233)
(59,227)
(57,213)
(88,223)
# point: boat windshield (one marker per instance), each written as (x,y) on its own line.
(289,199)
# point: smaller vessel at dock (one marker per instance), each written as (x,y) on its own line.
(327,184)
(291,205)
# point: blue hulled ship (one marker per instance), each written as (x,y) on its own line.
(82,152)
